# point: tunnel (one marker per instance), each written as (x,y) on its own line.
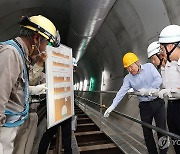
(99,32)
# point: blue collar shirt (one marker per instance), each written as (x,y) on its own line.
(148,78)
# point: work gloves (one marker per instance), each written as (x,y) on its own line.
(37,90)
(108,111)
(168,92)
(161,93)
(144,91)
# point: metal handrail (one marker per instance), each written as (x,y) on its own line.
(174,95)
(162,131)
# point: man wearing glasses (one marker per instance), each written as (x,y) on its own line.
(15,58)
(145,79)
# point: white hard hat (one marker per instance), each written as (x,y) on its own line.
(170,34)
(153,48)
(74,62)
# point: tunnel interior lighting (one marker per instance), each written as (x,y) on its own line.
(85,85)
(77,86)
(92,84)
(102,81)
(81,86)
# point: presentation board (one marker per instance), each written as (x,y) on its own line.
(59,79)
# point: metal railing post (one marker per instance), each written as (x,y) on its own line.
(86,106)
(59,141)
(100,115)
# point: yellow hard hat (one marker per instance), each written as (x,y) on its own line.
(129,58)
(41,25)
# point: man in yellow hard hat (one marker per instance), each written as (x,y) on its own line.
(145,79)
(15,58)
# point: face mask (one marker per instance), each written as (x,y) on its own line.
(40,53)
(37,47)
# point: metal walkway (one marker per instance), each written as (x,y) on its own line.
(89,137)
(126,140)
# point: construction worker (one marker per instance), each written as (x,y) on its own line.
(15,57)
(169,40)
(143,78)
(155,55)
(25,139)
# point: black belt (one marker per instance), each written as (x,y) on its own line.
(174,101)
(154,100)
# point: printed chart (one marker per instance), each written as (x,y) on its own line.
(59,79)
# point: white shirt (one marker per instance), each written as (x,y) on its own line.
(163,76)
(171,75)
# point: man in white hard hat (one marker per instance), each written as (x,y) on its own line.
(155,56)
(169,40)
(15,57)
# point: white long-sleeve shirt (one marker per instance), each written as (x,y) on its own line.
(171,77)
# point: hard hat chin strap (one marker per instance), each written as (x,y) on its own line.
(169,53)
(161,60)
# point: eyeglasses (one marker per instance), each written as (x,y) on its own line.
(130,67)
(44,40)
(161,49)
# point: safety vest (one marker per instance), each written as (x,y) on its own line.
(22,116)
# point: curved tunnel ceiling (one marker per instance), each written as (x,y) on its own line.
(99,31)
(86,18)
(11,10)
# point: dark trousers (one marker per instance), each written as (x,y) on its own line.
(66,137)
(149,110)
(173,121)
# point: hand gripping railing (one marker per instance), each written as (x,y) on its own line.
(102,106)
